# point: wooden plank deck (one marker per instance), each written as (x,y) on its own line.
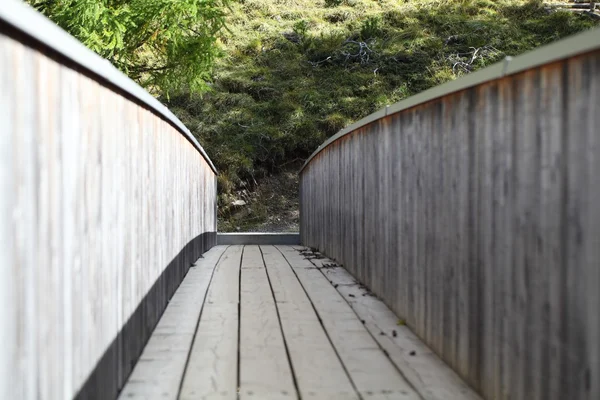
(274,322)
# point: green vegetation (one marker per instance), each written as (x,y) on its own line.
(167,46)
(297,71)
(271,206)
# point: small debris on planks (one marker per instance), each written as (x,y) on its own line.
(363,321)
(311,255)
(351,295)
(336,285)
(382,333)
(413,353)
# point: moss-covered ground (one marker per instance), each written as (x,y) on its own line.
(294,72)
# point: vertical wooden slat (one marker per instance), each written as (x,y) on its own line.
(24,215)
(474,216)
(10,371)
(104,205)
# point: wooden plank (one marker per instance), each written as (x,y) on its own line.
(426,372)
(318,370)
(371,371)
(19,220)
(580,264)
(102,233)
(265,371)
(159,371)
(504,226)
(488,196)
(211,372)
(590,295)
(10,379)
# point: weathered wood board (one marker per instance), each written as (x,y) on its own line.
(159,370)
(370,370)
(319,372)
(297,337)
(475,217)
(105,205)
(265,370)
(212,368)
(429,375)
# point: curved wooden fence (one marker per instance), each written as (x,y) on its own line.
(105,201)
(473,211)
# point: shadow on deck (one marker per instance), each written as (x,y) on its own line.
(283,322)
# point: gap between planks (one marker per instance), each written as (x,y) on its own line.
(286,347)
(428,374)
(273,324)
(265,370)
(160,368)
(212,370)
(318,369)
(371,371)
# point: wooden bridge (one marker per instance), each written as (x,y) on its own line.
(449,244)
(281,322)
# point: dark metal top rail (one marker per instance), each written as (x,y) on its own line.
(26,20)
(566,48)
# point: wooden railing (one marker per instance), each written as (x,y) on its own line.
(473,211)
(105,201)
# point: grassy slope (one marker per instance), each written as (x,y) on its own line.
(293,74)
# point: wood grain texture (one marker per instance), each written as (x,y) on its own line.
(475,218)
(297,337)
(426,372)
(159,371)
(370,370)
(213,363)
(105,205)
(318,370)
(265,370)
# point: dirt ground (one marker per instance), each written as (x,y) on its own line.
(272,206)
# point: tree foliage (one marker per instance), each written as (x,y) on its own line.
(165,45)
(298,71)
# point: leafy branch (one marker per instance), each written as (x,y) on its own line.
(166,46)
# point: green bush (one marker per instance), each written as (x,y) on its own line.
(301,28)
(166,47)
(370,28)
(276,97)
(333,3)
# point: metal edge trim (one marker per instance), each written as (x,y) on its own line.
(256,238)
(258,233)
(24,18)
(560,50)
